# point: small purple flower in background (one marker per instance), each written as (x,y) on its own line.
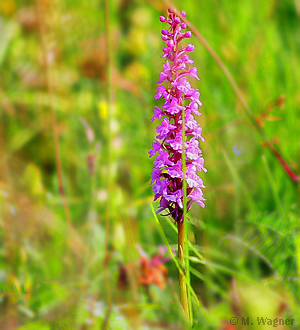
(237,149)
(179,96)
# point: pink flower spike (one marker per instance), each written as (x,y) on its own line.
(179,97)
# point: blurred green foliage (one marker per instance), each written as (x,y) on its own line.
(63,271)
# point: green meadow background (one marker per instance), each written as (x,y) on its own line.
(62,247)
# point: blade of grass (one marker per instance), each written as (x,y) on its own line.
(210,283)
(132,242)
(277,200)
(297,243)
(236,176)
(200,257)
(128,228)
(215,267)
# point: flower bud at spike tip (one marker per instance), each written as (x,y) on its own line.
(179,96)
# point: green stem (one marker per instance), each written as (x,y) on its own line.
(163,235)
(183,253)
(182,282)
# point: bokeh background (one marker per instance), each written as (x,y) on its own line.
(78,237)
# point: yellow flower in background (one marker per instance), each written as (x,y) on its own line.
(103,109)
(7,8)
(32,180)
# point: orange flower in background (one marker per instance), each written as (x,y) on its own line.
(152,271)
(149,270)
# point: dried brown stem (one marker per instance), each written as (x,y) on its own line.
(232,82)
(109,101)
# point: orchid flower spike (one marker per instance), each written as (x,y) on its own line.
(179,96)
